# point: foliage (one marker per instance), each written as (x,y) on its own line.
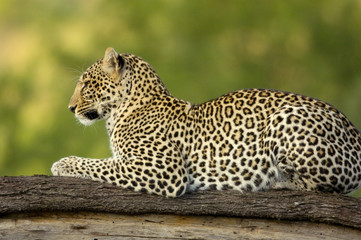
(201,49)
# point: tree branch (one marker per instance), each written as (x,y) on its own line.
(61,194)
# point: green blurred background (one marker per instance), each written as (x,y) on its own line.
(201,49)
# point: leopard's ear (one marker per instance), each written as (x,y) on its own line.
(112,61)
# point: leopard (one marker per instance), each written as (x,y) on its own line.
(249,140)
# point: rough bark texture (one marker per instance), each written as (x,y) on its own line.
(47,196)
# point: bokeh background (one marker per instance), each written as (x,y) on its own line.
(201,49)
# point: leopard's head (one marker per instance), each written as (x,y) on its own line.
(113,80)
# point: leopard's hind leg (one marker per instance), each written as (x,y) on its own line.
(312,150)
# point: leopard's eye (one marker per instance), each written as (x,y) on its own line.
(86,83)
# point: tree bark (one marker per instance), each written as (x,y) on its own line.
(61,194)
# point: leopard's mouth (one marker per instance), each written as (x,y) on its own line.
(91,115)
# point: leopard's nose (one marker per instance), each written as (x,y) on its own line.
(72,108)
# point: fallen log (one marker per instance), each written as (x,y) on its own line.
(43,199)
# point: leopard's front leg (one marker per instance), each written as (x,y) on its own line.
(84,168)
(165,177)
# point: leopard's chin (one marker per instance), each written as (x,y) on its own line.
(86,121)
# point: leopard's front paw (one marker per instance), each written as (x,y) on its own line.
(63,167)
